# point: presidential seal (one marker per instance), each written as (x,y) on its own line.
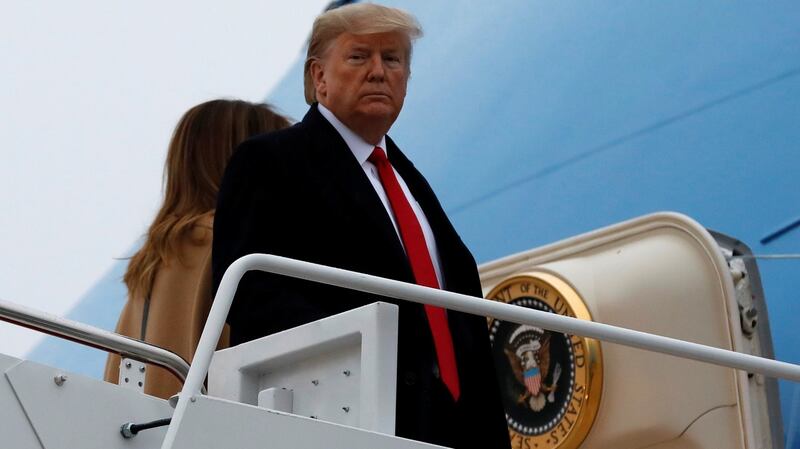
(550,382)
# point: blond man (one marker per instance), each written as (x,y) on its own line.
(334,189)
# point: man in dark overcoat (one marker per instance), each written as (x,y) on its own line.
(334,189)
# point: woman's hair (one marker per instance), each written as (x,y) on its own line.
(201,146)
(358,18)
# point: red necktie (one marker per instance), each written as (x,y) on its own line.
(421,266)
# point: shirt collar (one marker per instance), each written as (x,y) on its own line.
(360,148)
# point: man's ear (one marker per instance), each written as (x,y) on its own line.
(318,77)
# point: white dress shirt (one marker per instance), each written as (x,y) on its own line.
(362,150)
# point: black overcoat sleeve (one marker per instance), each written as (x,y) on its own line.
(250,218)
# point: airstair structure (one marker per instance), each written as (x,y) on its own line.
(649,333)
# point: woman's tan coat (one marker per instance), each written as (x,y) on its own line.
(179,305)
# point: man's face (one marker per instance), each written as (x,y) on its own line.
(362,79)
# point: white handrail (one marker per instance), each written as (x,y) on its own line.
(93,337)
(449,300)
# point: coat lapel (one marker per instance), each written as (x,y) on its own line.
(440,225)
(341,172)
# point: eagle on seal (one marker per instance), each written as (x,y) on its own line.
(528,353)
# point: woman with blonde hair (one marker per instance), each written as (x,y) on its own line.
(169,278)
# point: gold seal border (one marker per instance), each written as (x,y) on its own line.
(591,400)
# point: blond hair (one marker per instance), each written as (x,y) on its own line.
(359,18)
(201,145)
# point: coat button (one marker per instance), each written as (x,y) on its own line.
(436,372)
(410,378)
